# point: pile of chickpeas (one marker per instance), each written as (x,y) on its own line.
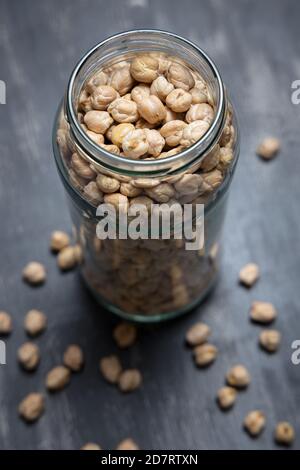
(150,107)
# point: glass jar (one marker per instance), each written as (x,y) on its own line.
(148,279)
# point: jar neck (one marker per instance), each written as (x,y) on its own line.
(124,46)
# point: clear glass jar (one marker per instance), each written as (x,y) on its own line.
(148,280)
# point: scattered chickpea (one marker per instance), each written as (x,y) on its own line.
(284,433)
(73,358)
(34,273)
(111,368)
(35,322)
(58,378)
(238,377)
(29,356)
(125,335)
(32,407)
(197,334)
(129,380)
(205,354)
(270,340)
(249,274)
(262,312)
(226,397)
(59,240)
(255,422)
(69,257)
(127,444)
(5,323)
(268,148)
(90,446)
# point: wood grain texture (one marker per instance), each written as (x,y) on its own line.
(257,49)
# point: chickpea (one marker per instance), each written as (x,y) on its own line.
(97,138)
(119,201)
(143,201)
(198,96)
(172,116)
(135,144)
(145,183)
(127,189)
(172,132)
(155,140)
(144,68)
(84,102)
(161,88)
(111,148)
(200,112)
(212,180)
(179,100)
(102,96)
(108,133)
(142,124)
(93,193)
(152,109)
(211,160)
(180,77)
(163,61)
(226,157)
(139,92)
(99,79)
(119,132)
(98,121)
(189,184)
(123,110)
(194,132)
(81,167)
(161,193)
(106,184)
(121,80)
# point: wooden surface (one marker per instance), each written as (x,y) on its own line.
(256,46)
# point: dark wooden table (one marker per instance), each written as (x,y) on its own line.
(256,45)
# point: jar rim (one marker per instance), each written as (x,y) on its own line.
(157,167)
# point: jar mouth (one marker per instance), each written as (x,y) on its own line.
(142,40)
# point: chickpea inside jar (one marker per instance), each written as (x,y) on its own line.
(146,120)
